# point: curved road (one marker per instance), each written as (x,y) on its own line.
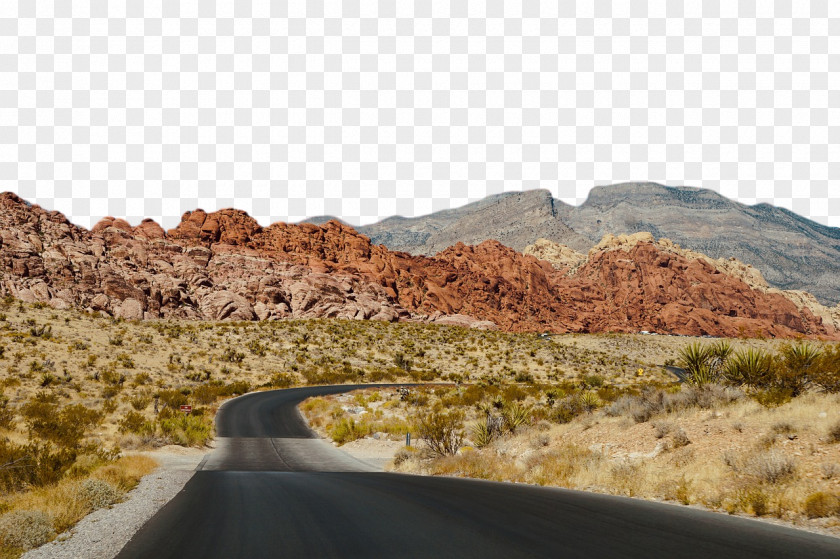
(272,489)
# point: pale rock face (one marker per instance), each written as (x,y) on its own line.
(560,256)
(130,309)
(225,266)
(465,321)
(224,305)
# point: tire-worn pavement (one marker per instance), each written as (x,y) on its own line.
(272,489)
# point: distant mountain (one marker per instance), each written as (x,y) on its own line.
(791,251)
(225,266)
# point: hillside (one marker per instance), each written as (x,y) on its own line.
(792,252)
(224,265)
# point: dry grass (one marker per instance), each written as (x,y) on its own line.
(35,516)
(778,461)
(133,376)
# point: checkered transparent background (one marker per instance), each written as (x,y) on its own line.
(364,109)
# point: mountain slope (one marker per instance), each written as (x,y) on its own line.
(515,219)
(224,265)
(792,252)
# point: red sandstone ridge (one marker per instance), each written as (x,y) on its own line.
(224,265)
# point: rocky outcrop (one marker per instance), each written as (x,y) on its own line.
(202,270)
(791,251)
(225,266)
(569,260)
(559,256)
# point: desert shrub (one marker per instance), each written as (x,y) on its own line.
(559,467)
(141,378)
(38,464)
(830,470)
(379,375)
(770,467)
(186,430)
(834,433)
(111,377)
(567,409)
(773,397)
(593,381)
(442,431)
(483,432)
(662,428)
(590,400)
(347,430)
(134,422)
(234,388)
(205,394)
(24,529)
(257,348)
(403,455)
(140,401)
(230,355)
(821,504)
(680,439)
(825,371)
(524,376)
(7,415)
(172,398)
(282,380)
(513,393)
(752,499)
(783,428)
(421,375)
(65,426)
(97,494)
(651,401)
(403,362)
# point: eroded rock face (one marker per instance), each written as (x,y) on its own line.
(203,269)
(225,266)
(568,260)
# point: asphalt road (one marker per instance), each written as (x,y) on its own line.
(271,489)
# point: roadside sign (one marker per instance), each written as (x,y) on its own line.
(186,409)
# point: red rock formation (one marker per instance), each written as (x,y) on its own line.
(224,265)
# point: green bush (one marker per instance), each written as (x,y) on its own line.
(347,430)
(136,423)
(234,389)
(65,426)
(186,430)
(282,380)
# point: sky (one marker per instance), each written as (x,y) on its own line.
(366,109)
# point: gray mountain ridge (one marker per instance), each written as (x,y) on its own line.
(792,252)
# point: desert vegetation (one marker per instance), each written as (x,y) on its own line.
(80,392)
(752,430)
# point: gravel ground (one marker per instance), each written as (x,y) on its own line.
(103,533)
(376,452)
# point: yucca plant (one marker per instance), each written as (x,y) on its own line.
(515,415)
(752,367)
(696,359)
(483,433)
(589,400)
